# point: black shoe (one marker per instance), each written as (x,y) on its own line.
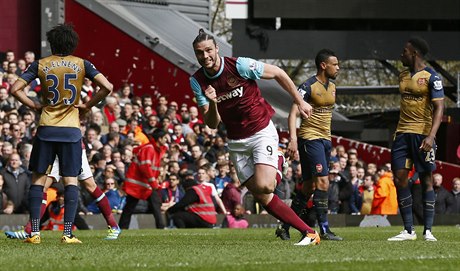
(282,233)
(308,215)
(330,236)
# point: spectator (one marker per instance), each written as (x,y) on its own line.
(456,194)
(127,112)
(114,127)
(236,218)
(193,110)
(126,94)
(340,151)
(29,57)
(7,151)
(333,192)
(231,196)
(444,200)
(3,199)
(177,136)
(204,178)
(286,186)
(16,185)
(109,109)
(87,90)
(223,178)
(385,200)
(217,146)
(371,169)
(345,193)
(115,196)
(194,210)
(22,66)
(142,182)
(6,131)
(28,117)
(191,160)
(6,101)
(173,191)
(139,136)
(367,194)
(56,214)
(9,56)
(151,125)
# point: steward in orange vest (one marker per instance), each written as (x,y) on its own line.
(56,213)
(141,178)
(196,208)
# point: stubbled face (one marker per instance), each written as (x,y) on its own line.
(207,54)
(332,67)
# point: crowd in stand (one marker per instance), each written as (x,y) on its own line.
(125,121)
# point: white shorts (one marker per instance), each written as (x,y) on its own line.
(85,169)
(260,148)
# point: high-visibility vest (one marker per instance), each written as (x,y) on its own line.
(142,174)
(204,208)
(56,221)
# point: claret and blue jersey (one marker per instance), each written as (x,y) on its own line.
(241,106)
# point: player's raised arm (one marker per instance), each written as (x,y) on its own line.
(274,72)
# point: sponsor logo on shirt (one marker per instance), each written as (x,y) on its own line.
(237,92)
(411,97)
(322,109)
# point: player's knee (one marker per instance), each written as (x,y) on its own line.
(265,189)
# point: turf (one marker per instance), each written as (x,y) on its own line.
(225,249)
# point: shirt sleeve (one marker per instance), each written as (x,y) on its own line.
(31,73)
(305,91)
(90,70)
(189,198)
(436,89)
(249,68)
(201,99)
(214,191)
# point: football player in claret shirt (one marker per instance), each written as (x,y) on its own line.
(61,76)
(226,90)
(313,141)
(422,104)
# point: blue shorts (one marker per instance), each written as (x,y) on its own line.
(406,153)
(44,153)
(314,157)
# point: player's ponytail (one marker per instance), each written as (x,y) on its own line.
(203,36)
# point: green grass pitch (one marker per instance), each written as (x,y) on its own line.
(225,249)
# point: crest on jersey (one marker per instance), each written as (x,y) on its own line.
(232,81)
(421,81)
(253,65)
(319,168)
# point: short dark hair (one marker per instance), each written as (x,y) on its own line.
(322,56)
(63,39)
(158,133)
(420,45)
(202,36)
